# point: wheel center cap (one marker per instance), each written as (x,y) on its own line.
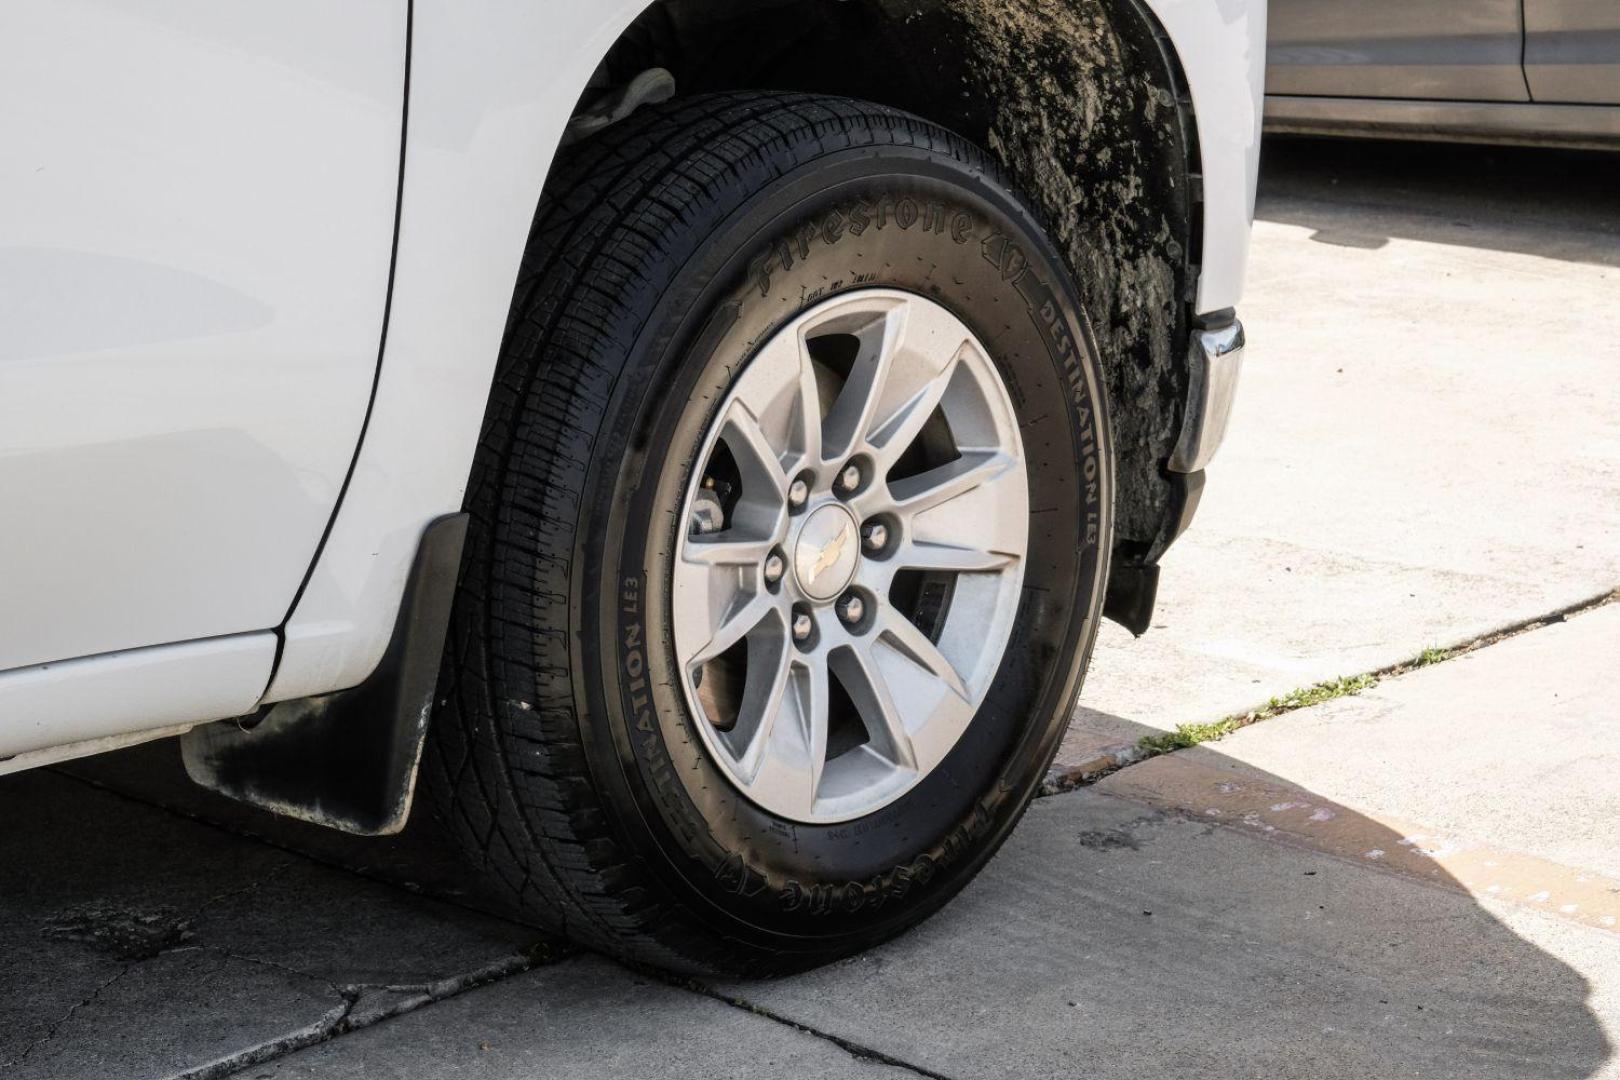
(826,551)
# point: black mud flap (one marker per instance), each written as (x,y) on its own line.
(1133,583)
(1132,592)
(347,760)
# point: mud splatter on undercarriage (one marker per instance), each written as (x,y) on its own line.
(1078,117)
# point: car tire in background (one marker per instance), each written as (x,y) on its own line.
(789,530)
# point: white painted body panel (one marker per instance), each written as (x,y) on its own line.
(492,87)
(196,221)
(1222,46)
(100,697)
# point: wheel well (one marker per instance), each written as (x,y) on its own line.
(1082,102)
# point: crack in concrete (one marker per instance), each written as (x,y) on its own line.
(856,1050)
(350,1015)
(253,886)
(50,1032)
(1110,760)
(329,1025)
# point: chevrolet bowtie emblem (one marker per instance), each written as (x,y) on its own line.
(831,553)
(826,552)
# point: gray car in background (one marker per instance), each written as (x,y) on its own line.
(1517,71)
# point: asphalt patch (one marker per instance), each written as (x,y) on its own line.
(122,933)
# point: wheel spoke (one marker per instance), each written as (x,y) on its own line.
(786,746)
(923,555)
(725,550)
(744,615)
(757,459)
(761,710)
(863,680)
(812,697)
(925,491)
(807,409)
(900,429)
(914,645)
(908,356)
(850,417)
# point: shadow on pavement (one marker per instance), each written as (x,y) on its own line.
(1168,922)
(1560,204)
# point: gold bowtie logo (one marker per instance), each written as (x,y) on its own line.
(830,553)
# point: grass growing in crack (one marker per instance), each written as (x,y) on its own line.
(1315,695)
(1121,757)
(1187,735)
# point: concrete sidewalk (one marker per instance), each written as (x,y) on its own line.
(1378,913)
(1426,446)
(134,943)
(1343,891)
(1418,880)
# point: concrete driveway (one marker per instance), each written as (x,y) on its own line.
(1417,873)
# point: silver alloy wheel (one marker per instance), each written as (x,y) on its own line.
(852,555)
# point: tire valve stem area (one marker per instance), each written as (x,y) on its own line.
(714,503)
(708,513)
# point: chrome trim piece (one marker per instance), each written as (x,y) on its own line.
(1214,367)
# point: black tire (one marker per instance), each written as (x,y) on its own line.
(562,746)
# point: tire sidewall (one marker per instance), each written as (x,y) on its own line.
(912,219)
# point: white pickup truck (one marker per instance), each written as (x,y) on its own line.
(695,440)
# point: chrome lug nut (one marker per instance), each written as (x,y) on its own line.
(851,609)
(802,627)
(774,568)
(798,493)
(874,536)
(850,478)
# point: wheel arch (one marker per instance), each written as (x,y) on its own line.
(492,90)
(1085,105)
